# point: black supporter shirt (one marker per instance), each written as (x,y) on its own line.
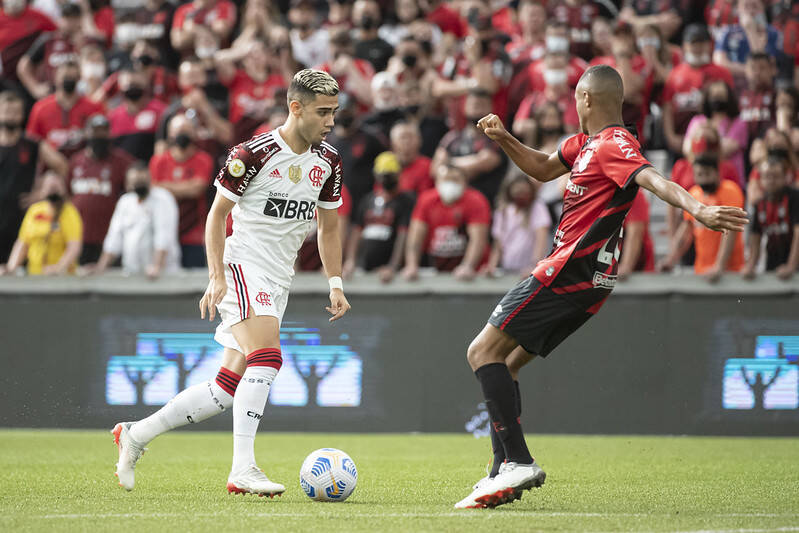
(777,219)
(17,172)
(381,219)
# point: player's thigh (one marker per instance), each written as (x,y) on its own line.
(517,359)
(257,332)
(490,346)
(234,361)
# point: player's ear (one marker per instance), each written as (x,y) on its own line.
(295,108)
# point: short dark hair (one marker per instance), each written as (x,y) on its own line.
(307,83)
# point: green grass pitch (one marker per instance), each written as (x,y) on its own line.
(63,481)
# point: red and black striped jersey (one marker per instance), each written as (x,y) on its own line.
(599,193)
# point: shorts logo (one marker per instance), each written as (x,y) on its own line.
(550,271)
(263,298)
(292,209)
(236,168)
(316,175)
(497,310)
(295,173)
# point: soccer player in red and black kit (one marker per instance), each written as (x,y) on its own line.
(570,285)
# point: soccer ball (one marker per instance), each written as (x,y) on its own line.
(328,475)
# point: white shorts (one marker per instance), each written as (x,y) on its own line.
(249,293)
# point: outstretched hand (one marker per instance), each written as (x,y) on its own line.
(492,126)
(338,304)
(723,217)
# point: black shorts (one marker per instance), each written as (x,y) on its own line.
(537,318)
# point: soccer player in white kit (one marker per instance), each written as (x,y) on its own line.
(273,184)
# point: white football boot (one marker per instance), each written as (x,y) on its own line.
(130,452)
(253,481)
(508,485)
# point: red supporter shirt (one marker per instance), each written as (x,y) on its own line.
(50,51)
(164,168)
(222,10)
(521,51)
(757,110)
(416,177)
(18,34)
(536,99)
(579,19)
(104,20)
(95,186)
(446,238)
(683,90)
(682,173)
(61,128)
(163,86)
(247,96)
(135,133)
(448,20)
(599,193)
(639,212)
(574,70)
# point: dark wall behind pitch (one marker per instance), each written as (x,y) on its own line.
(644,364)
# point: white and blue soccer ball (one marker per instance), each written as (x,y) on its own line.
(328,475)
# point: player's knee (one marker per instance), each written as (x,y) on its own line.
(476,354)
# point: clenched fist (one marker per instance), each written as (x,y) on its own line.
(492,126)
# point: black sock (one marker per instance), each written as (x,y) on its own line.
(496,443)
(518,400)
(499,393)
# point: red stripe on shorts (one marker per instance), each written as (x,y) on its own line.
(520,307)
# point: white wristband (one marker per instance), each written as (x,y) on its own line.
(336,283)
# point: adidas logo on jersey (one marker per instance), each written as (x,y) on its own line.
(275,174)
(292,209)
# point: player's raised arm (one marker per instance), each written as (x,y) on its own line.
(719,218)
(329,239)
(536,164)
(214,249)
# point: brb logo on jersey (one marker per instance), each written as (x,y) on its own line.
(316,175)
(291,209)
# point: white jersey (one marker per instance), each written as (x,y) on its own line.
(276,192)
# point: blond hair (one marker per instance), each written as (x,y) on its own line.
(307,83)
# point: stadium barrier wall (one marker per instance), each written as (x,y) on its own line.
(666,355)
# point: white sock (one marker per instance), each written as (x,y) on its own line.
(195,404)
(248,408)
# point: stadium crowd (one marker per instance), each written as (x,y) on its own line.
(114,118)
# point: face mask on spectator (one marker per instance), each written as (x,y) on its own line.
(450,191)
(697,60)
(389,182)
(368,22)
(409,60)
(68,85)
(92,70)
(556,43)
(145,60)
(142,190)
(709,188)
(55,198)
(99,145)
(410,109)
(134,93)
(523,201)
(182,141)
(778,153)
(555,77)
(643,42)
(718,105)
(204,52)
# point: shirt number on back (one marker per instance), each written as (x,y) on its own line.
(605,256)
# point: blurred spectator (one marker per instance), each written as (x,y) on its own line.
(93,70)
(151,21)
(758,98)
(637,252)
(19,157)
(664,14)
(752,34)
(449,228)
(578,15)
(635,73)
(720,109)
(216,16)
(214,132)
(705,143)
(415,174)
(354,76)
(682,95)
(660,56)
(311,46)
(386,110)
(787,113)
(50,236)
(258,19)
(446,18)
(408,14)
(357,147)
(36,69)
(417,106)
(468,149)
(96,181)
(60,118)
(784,15)
(716,251)
(368,45)
(601,31)
(777,145)
(556,91)
(339,14)
(145,58)
(277,117)
(380,223)
(528,45)
(186,172)
(776,216)
(308,259)
(252,88)
(143,229)
(520,228)
(719,14)
(135,120)
(411,66)
(21,25)
(557,42)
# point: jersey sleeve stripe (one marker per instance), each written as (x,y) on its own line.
(226,193)
(520,307)
(563,159)
(634,174)
(330,205)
